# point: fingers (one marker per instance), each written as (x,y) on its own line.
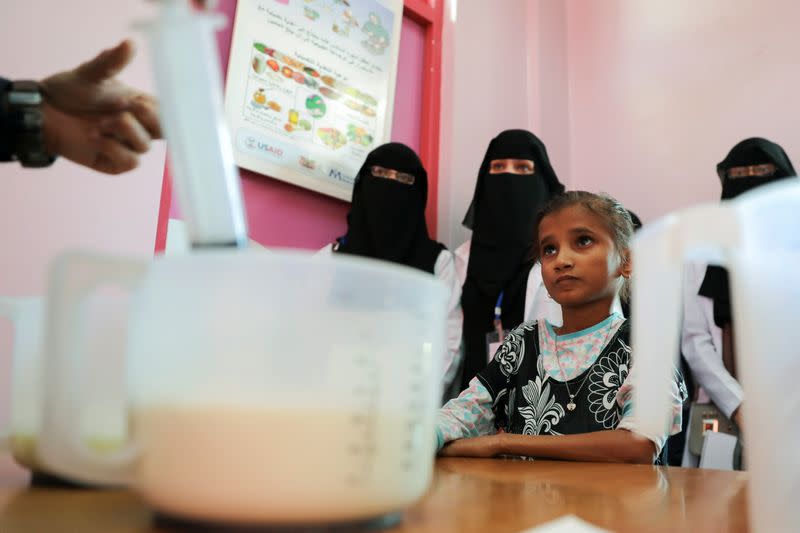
(108,63)
(205,4)
(127,130)
(146,110)
(112,157)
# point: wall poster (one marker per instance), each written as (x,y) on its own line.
(310,87)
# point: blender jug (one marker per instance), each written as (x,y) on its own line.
(306,388)
(27,396)
(757,238)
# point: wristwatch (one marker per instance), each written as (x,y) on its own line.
(22,105)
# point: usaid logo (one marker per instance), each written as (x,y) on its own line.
(254,145)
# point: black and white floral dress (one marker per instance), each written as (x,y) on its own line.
(542,384)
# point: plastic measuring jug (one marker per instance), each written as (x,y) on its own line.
(104,338)
(26,395)
(262,387)
(757,238)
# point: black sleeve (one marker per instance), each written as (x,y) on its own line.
(6,144)
(508,359)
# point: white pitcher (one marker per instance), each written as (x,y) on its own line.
(25,392)
(757,238)
(261,387)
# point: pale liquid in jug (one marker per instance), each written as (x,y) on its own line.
(305,465)
(24,449)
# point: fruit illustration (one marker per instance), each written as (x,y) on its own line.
(271,63)
(258,64)
(307,163)
(260,97)
(358,135)
(367,99)
(329,93)
(332,137)
(316,106)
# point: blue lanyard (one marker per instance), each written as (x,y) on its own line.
(498,312)
(498,306)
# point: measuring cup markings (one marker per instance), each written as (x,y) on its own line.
(366,393)
(415,413)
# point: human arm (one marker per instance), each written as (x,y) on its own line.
(445,270)
(93,119)
(625,443)
(92,88)
(700,349)
(468,415)
(612,446)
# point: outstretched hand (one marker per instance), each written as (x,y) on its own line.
(93,119)
(92,88)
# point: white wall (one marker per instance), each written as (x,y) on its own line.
(660,90)
(45,211)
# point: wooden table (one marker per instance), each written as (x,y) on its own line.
(486,495)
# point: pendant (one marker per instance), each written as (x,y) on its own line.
(571,406)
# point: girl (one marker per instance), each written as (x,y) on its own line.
(501,282)
(387,221)
(563,392)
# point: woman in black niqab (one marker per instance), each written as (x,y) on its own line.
(502,216)
(752,163)
(387,216)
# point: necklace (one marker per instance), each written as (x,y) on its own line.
(571,404)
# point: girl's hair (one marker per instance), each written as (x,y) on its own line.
(616,218)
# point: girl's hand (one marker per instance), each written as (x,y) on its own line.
(487,446)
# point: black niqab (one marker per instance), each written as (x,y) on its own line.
(502,216)
(753,151)
(387,218)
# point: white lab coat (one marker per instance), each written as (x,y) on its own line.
(445,270)
(701,345)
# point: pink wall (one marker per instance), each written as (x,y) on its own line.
(660,91)
(43,212)
(484,91)
(638,99)
(280,214)
(548,82)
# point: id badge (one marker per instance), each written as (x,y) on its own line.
(493,341)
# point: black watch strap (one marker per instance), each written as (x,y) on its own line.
(22,107)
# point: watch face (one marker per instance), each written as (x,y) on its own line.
(16,97)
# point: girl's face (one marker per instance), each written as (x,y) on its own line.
(580,264)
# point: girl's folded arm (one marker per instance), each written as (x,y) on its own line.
(468,415)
